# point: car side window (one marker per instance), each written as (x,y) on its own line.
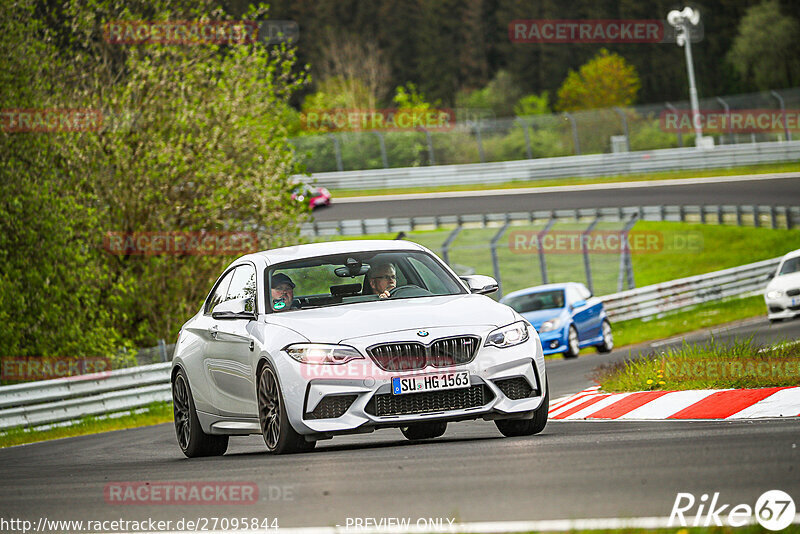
(220,292)
(433,283)
(243,285)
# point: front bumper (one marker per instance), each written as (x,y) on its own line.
(783,307)
(357,397)
(554,342)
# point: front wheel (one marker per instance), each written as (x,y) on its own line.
(278,433)
(191,438)
(573,344)
(424,430)
(527,427)
(608,338)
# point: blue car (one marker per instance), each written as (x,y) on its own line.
(567,317)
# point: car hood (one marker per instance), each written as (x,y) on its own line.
(785,281)
(536,318)
(336,323)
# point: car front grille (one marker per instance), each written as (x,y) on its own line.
(429,401)
(413,355)
(793,292)
(331,407)
(515,388)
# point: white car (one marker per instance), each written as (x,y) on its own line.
(783,291)
(303,343)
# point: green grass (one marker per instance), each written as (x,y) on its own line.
(667,175)
(154,414)
(714,365)
(684,321)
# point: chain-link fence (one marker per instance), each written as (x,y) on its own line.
(477,139)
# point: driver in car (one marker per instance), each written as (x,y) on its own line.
(282,292)
(382,279)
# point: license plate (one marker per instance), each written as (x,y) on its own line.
(418,384)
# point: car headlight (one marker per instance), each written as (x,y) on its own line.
(775,294)
(508,336)
(549,326)
(322,354)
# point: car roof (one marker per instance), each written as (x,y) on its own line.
(312,250)
(792,254)
(536,289)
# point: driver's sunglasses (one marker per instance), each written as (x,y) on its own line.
(388,277)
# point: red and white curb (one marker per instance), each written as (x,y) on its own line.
(592,403)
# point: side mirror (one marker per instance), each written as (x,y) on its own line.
(234,309)
(480,284)
(579,304)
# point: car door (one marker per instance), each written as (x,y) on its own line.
(581,313)
(228,357)
(595,306)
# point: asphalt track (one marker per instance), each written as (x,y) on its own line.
(778,191)
(572,470)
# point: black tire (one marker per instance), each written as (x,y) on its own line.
(279,436)
(424,430)
(191,438)
(773,321)
(608,338)
(527,427)
(573,346)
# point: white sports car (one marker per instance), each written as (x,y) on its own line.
(783,290)
(304,343)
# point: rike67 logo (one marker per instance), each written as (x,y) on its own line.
(774,510)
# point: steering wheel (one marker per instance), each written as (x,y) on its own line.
(409,290)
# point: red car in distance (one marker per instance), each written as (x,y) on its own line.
(314,196)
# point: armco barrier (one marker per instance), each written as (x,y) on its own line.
(652,300)
(53,401)
(669,159)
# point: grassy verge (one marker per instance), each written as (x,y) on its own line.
(740,364)
(684,321)
(154,414)
(666,175)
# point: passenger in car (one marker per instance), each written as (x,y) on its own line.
(382,279)
(282,290)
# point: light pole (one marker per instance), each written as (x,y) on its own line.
(680,20)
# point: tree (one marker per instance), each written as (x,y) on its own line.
(606,80)
(765,50)
(206,152)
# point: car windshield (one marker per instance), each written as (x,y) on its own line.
(542,300)
(792,265)
(360,277)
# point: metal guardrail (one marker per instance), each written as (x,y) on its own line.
(54,401)
(767,216)
(684,292)
(670,159)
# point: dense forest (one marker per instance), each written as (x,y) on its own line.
(451,46)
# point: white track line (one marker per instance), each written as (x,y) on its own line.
(568,188)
